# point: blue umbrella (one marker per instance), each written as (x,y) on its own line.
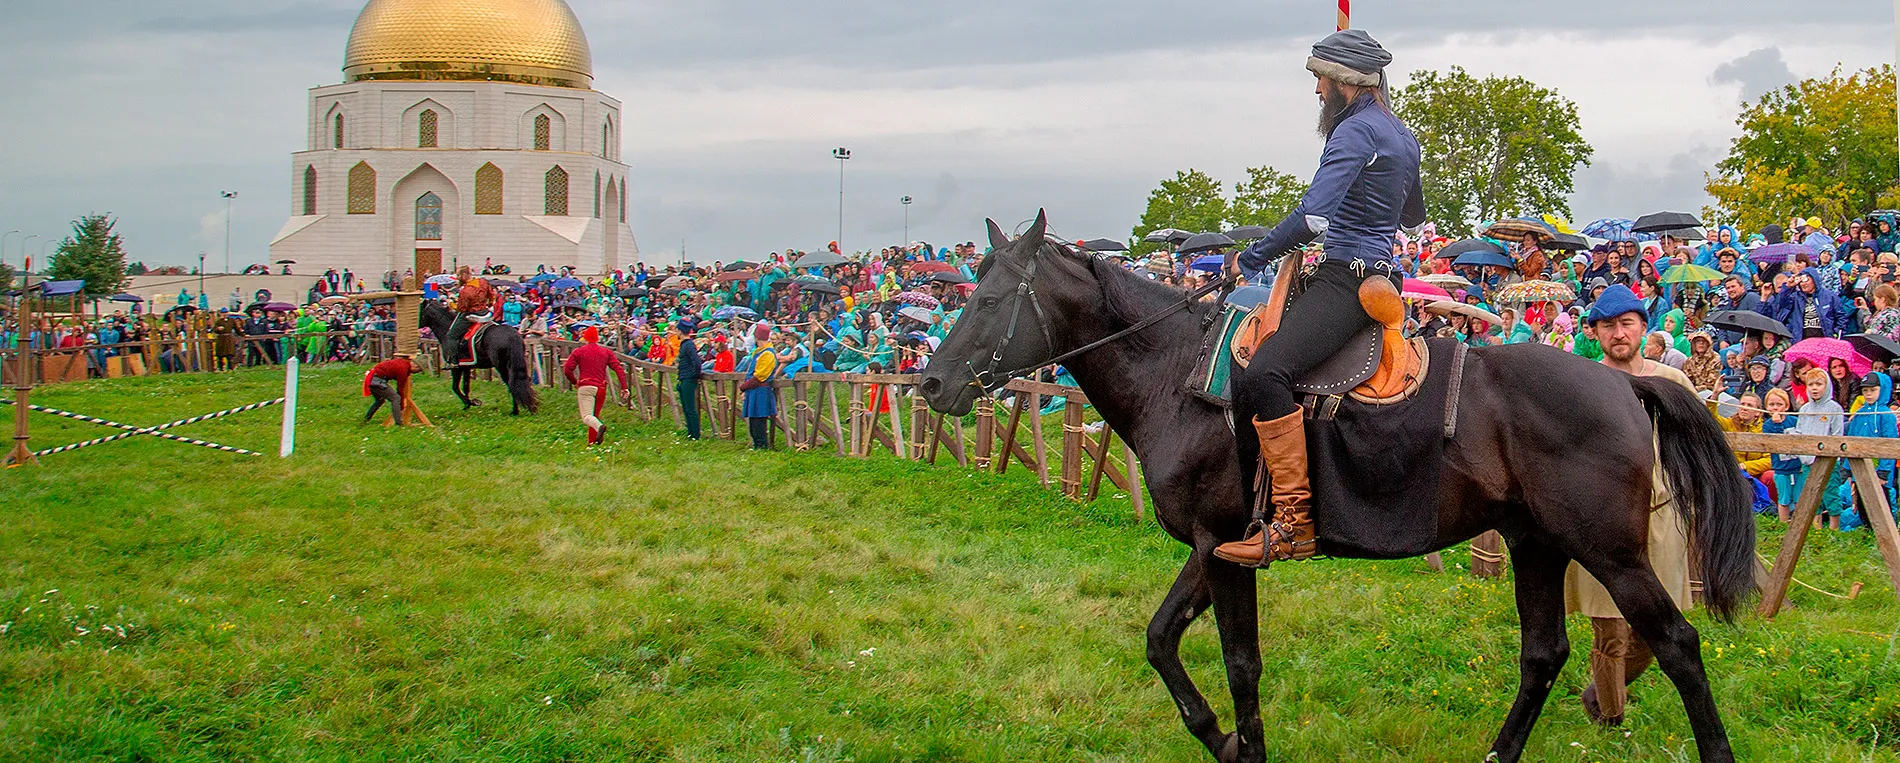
(1775,253)
(1484,258)
(733,311)
(1211,263)
(543,278)
(567,283)
(1616,229)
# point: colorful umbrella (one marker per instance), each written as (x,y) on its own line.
(1820,350)
(1448,307)
(1777,253)
(440,279)
(918,314)
(733,311)
(1210,264)
(1418,289)
(1615,229)
(931,266)
(918,299)
(741,276)
(1516,229)
(1691,273)
(1535,291)
(1446,280)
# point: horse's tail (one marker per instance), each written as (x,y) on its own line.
(514,362)
(1710,491)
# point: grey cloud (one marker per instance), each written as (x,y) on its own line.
(1758,72)
(290,19)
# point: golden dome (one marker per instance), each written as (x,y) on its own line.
(532,41)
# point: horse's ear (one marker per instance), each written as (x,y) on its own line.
(1037,231)
(997,239)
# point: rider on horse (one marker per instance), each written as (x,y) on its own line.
(474,305)
(1367,185)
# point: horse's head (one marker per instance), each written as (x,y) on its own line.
(1016,320)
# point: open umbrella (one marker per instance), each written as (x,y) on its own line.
(1447,307)
(1616,229)
(567,283)
(1747,320)
(948,276)
(440,279)
(1567,242)
(1691,273)
(825,259)
(1248,232)
(740,265)
(1684,234)
(127,298)
(1210,264)
(540,278)
(280,307)
(1202,242)
(1104,245)
(633,292)
(1517,228)
(1535,291)
(823,287)
(181,309)
(1446,280)
(1417,289)
(1467,246)
(286,262)
(1875,346)
(931,266)
(1657,222)
(740,276)
(1498,259)
(919,299)
(1165,235)
(333,300)
(1820,350)
(918,314)
(1777,253)
(733,311)
(677,282)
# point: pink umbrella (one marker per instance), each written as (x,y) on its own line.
(1820,350)
(1416,289)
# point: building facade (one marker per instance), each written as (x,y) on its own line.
(465,132)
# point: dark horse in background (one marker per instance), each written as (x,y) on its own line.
(499,348)
(1551,450)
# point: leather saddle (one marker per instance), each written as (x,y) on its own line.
(1378,366)
(469,338)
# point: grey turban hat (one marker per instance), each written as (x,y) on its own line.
(1350,56)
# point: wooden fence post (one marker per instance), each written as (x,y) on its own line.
(1034,410)
(1072,451)
(1487,555)
(985,444)
(1776,592)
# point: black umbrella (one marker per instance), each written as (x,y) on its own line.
(1875,346)
(1163,235)
(286,262)
(740,265)
(632,292)
(821,288)
(948,276)
(1568,242)
(1467,246)
(1203,242)
(820,260)
(1658,222)
(1246,232)
(1684,234)
(1747,320)
(1104,245)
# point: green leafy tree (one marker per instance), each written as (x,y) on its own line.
(1819,147)
(1265,197)
(1192,201)
(6,277)
(1493,148)
(93,254)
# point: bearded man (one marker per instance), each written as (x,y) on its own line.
(1367,185)
(474,305)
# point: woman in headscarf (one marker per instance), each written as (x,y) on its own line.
(761,403)
(1704,367)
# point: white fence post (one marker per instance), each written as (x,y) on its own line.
(288,441)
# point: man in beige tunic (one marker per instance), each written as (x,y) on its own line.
(1617,655)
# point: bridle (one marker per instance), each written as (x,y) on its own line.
(987,380)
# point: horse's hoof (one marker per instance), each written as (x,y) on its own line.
(1230,750)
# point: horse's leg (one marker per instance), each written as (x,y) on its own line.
(1676,644)
(1186,600)
(1545,645)
(1237,613)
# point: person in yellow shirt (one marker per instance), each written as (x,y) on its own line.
(1745,418)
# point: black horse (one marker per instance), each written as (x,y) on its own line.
(1518,464)
(499,348)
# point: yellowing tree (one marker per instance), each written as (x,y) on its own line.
(1821,147)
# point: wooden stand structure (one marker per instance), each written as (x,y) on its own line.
(22,455)
(1860,454)
(408,338)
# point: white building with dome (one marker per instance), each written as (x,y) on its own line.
(464,131)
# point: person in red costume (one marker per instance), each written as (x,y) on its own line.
(587,370)
(474,305)
(376,384)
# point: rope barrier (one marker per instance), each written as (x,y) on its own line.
(134,431)
(1494,557)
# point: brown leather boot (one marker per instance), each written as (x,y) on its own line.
(1289,536)
(1605,697)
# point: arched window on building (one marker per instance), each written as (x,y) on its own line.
(429,217)
(362,189)
(543,132)
(606,139)
(488,190)
(557,193)
(623,200)
(309,190)
(338,144)
(426,123)
(596,195)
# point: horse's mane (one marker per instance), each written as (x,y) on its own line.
(1131,298)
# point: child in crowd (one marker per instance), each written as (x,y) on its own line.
(1820,415)
(1787,469)
(1873,418)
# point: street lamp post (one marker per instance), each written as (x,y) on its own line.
(906,201)
(228,197)
(843,155)
(3,240)
(201,275)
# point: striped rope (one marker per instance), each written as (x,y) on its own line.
(134,431)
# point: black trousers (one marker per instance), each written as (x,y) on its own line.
(1315,326)
(380,389)
(761,430)
(689,405)
(454,346)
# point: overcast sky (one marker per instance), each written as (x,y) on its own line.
(975,108)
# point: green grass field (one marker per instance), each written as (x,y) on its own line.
(493,590)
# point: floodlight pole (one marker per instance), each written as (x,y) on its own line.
(228,197)
(906,200)
(843,155)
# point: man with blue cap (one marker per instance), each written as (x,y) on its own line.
(1367,186)
(1617,655)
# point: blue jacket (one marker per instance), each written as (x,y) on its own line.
(1790,306)
(1875,418)
(1367,185)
